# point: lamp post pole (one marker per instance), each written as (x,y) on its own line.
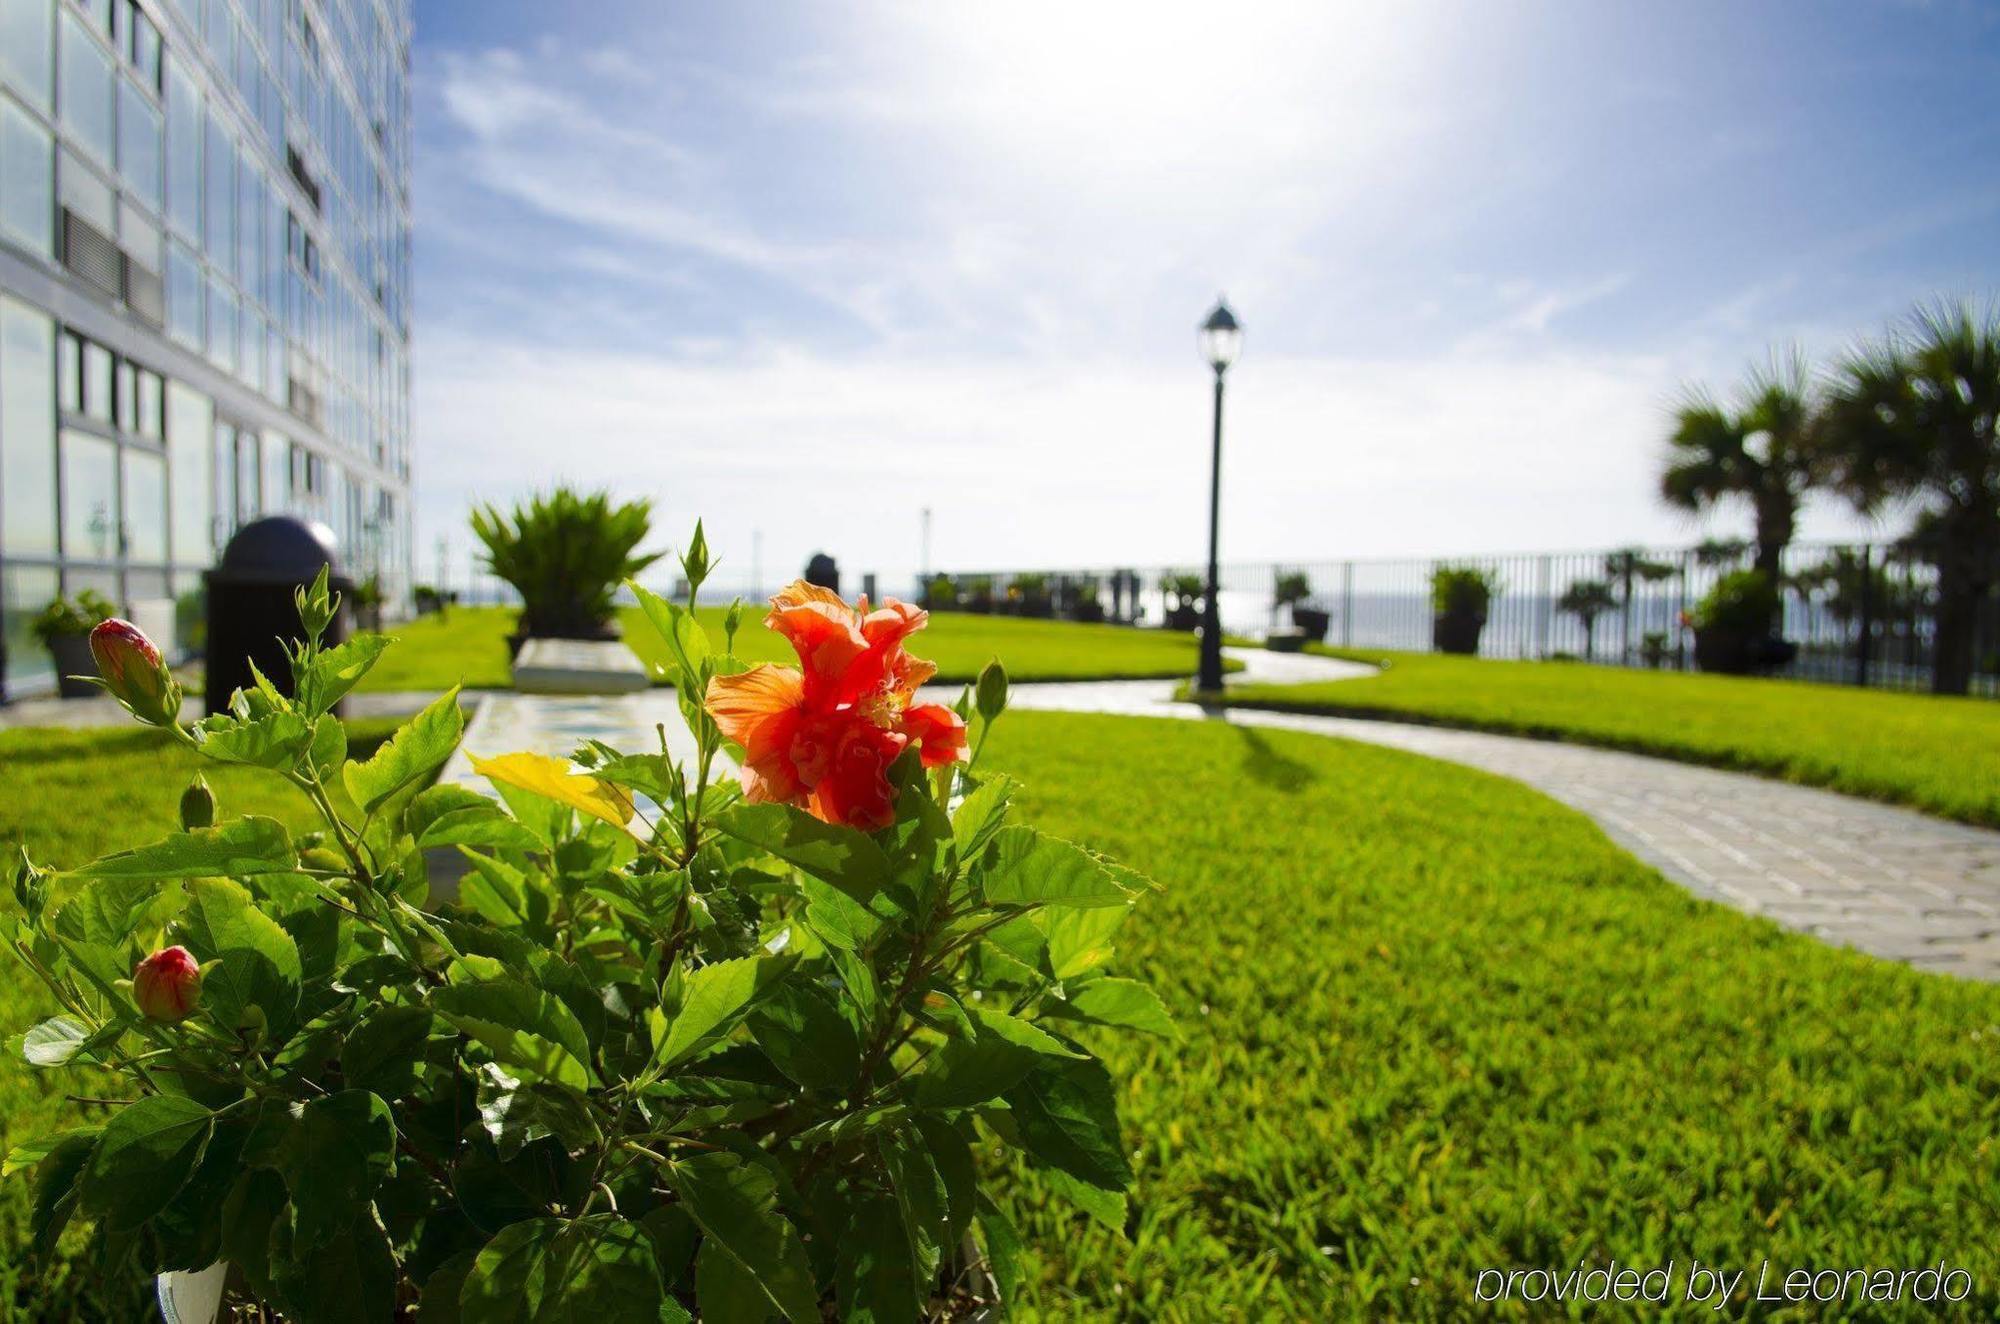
(1221,341)
(1211,613)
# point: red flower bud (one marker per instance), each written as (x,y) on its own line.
(135,673)
(167,985)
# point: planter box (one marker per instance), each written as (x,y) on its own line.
(1183,618)
(1734,653)
(1457,632)
(578,666)
(72,658)
(1286,641)
(1312,622)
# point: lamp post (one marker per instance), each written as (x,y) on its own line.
(1221,341)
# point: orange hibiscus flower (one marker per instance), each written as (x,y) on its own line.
(822,735)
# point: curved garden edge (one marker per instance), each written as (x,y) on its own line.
(1799,769)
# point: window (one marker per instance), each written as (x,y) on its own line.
(190,423)
(145,525)
(24,591)
(27,180)
(147,404)
(139,143)
(184,122)
(185,294)
(27,40)
(277,492)
(127,402)
(27,430)
(141,238)
(221,326)
(86,87)
(221,216)
(97,388)
(143,45)
(90,497)
(86,193)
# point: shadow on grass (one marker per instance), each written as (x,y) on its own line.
(1267,767)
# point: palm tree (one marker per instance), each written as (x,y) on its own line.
(1587,599)
(1622,568)
(1764,451)
(1914,419)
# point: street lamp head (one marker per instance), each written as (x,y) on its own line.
(1221,337)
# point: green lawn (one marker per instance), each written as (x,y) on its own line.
(469,644)
(1433,1022)
(1936,754)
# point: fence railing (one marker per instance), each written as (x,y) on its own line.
(1857,613)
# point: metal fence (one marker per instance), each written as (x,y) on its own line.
(1858,613)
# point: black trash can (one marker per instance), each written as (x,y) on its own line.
(251,610)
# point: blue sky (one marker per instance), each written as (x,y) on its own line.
(805,270)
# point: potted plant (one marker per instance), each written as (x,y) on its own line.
(676,1048)
(565,554)
(1732,626)
(1587,599)
(1459,597)
(1028,595)
(64,629)
(1183,595)
(1293,591)
(1084,603)
(978,594)
(366,600)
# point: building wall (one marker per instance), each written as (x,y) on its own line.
(204,295)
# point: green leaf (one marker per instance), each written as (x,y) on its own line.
(439,1303)
(236,849)
(1024,868)
(56,1179)
(525,1028)
(516,1114)
(417,750)
(382,1053)
(687,643)
(335,1154)
(495,890)
(327,749)
(715,998)
(258,961)
(1121,1002)
(1078,941)
(51,1044)
(598,1269)
(734,1201)
(487,825)
(1066,1112)
(143,1158)
(876,1282)
(980,816)
(337,670)
(800,1027)
(920,1194)
(725,1291)
(31,1152)
(108,911)
(968,1071)
(1004,1252)
(951,1151)
(277,740)
(350,1280)
(248,1212)
(1107,1207)
(838,855)
(434,802)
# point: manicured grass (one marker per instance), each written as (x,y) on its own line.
(1936,754)
(469,645)
(70,796)
(1435,1023)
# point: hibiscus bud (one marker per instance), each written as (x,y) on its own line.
(167,985)
(197,805)
(991,693)
(135,673)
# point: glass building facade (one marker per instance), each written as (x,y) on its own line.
(204,296)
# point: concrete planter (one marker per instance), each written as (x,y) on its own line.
(1457,631)
(72,658)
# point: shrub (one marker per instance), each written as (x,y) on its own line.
(1743,602)
(1292,587)
(565,554)
(736,1060)
(65,616)
(941,594)
(1185,589)
(1462,590)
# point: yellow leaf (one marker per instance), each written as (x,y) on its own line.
(550,778)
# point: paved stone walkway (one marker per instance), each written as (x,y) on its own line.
(1888,881)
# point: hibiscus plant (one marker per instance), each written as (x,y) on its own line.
(679,1044)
